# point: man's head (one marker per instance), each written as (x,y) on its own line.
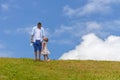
(39,25)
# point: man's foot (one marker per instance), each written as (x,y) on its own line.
(39,59)
(35,60)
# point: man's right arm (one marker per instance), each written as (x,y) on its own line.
(32,38)
(32,35)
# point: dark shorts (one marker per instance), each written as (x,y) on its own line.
(37,45)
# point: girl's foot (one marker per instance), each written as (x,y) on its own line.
(48,60)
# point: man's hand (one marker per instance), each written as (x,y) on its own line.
(31,41)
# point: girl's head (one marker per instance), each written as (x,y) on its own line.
(45,39)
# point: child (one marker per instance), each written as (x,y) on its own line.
(45,51)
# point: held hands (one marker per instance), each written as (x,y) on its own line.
(31,41)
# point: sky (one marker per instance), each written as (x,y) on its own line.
(66,23)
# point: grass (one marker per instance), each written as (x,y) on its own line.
(27,69)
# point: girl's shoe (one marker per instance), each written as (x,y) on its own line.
(48,60)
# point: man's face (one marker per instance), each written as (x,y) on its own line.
(39,26)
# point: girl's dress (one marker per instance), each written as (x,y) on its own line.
(45,50)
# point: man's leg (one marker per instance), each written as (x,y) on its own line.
(39,55)
(35,53)
(40,48)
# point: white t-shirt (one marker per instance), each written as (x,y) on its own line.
(38,33)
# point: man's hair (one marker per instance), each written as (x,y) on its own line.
(39,23)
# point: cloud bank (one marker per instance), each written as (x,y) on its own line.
(92,6)
(3,52)
(94,48)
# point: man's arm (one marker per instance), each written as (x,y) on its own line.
(32,38)
(43,33)
(32,35)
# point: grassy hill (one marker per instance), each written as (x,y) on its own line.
(27,69)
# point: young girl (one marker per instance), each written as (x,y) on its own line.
(45,51)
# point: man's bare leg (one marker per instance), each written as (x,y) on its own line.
(35,53)
(39,55)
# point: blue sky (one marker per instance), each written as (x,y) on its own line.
(65,22)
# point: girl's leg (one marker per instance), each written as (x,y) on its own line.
(44,57)
(48,58)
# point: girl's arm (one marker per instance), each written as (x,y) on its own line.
(43,45)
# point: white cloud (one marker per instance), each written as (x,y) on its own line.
(8,5)
(7,31)
(68,34)
(35,3)
(62,41)
(4,18)
(2,46)
(26,30)
(94,48)
(92,6)
(6,54)
(5,7)
(78,29)
(22,30)
(63,29)
(69,11)
(3,52)
(93,25)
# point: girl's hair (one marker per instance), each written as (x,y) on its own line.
(46,39)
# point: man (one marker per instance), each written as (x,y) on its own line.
(37,36)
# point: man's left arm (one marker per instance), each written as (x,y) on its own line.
(43,33)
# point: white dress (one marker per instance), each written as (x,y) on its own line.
(45,50)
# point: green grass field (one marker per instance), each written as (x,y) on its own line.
(27,69)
